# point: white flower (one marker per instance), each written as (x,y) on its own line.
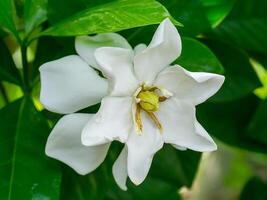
(145,102)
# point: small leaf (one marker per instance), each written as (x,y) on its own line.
(198,57)
(8,70)
(25,171)
(111,17)
(7,16)
(35,12)
(217,10)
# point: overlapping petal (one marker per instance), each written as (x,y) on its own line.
(180,127)
(86,45)
(141,149)
(69,84)
(113,121)
(64,144)
(119,169)
(194,87)
(116,64)
(164,48)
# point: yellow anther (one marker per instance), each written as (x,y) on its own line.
(149,101)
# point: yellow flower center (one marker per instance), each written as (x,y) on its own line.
(148,99)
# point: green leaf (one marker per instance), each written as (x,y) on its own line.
(69,7)
(217,10)
(227,122)
(246,25)
(111,17)
(240,78)
(198,57)
(190,13)
(6,16)
(8,70)
(25,171)
(35,13)
(254,189)
(257,128)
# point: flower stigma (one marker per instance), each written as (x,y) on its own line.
(148,99)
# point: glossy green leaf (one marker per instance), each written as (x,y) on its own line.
(227,122)
(111,17)
(257,128)
(35,12)
(25,171)
(198,57)
(240,78)
(254,189)
(246,25)
(8,70)
(217,10)
(7,16)
(69,7)
(190,13)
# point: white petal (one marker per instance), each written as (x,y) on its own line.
(119,169)
(113,121)
(116,64)
(86,45)
(180,127)
(141,149)
(164,48)
(139,48)
(69,84)
(195,87)
(64,144)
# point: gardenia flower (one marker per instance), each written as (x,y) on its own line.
(145,102)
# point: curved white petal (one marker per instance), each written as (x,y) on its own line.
(139,48)
(64,144)
(69,84)
(180,127)
(119,169)
(141,149)
(195,87)
(116,64)
(86,45)
(113,121)
(164,48)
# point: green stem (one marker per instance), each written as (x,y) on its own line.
(25,68)
(3,91)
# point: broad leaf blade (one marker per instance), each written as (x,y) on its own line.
(190,13)
(198,57)
(111,17)
(25,171)
(246,25)
(240,78)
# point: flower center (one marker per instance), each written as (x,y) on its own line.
(148,99)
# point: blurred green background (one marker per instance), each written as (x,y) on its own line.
(221,36)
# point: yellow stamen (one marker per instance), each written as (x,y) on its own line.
(155,120)
(138,120)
